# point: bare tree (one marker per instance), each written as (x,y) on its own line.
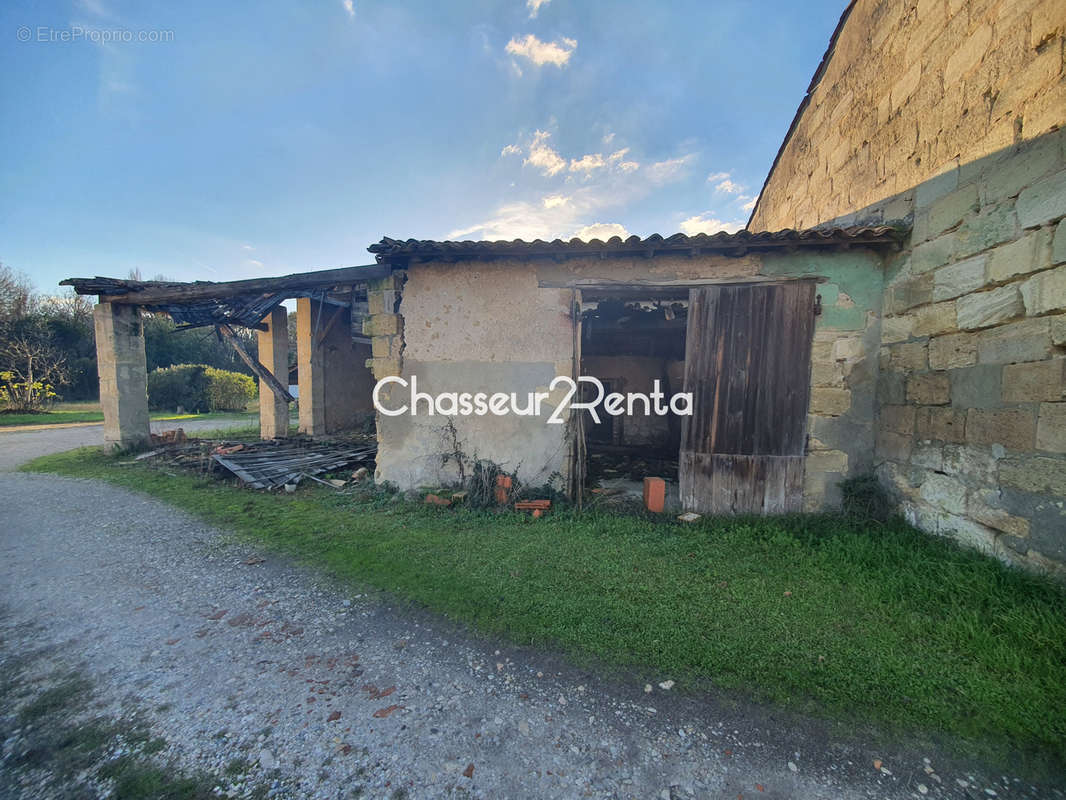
(17,298)
(30,371)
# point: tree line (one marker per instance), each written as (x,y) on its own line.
(48,345)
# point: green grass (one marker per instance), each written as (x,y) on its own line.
(879,624)
(66,413)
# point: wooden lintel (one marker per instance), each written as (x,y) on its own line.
(149,293)
(266,375)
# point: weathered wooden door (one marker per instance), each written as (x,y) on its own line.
(747,365)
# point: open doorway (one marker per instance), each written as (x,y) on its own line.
(631,338)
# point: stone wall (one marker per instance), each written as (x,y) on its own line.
(948,116)
(972,424)
(506,326)
(915,89)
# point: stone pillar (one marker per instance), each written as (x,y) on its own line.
(123,374)
(310,362)
(274,355)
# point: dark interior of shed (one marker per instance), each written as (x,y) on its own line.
(628,343)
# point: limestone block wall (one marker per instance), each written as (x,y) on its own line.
(505,326)
(913,90)
(972,390)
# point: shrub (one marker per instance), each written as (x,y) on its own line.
(198,388)
(228,391)
(865,499)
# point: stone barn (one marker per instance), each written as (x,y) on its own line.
(896,305)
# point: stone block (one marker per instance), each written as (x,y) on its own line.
(980,507)
(934,319)
(929,191)
(909,293)
(828,461)
(1035,382)
(899,419)
(1037,474)
(909,357)
(954,350)
(1058,330)
(974,465)
(1058,244)
(943,424)
(944,493)
(893,446)
(848,348)
(957,279)
(1014,428)
(928,455)
(1051,428)
(979,386)
(891,388)
(827,373)
(950,210)
(1020,257)
(991,227)
(1043,201)
(931,255)
(1045,291)
(382,325)
(1014,173)
(969,533)
(931,389)
(382,302)
(984,309)
(896,329)
(383,367)
(385,346)
(830,402)
(1027,340)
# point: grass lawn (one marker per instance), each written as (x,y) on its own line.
(870,623)
(90,412)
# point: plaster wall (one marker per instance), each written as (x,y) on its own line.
(505,326)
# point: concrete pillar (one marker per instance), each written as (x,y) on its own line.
(311,366)
(123,374)
(274,355)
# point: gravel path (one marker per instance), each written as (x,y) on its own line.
(328,692)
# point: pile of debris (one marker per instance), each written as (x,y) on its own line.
(269,467)
(264,464)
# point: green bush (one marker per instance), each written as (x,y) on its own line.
(228,391)
(199,388)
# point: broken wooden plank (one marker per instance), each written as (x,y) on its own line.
(265,375)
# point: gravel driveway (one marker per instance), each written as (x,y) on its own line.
(327,692)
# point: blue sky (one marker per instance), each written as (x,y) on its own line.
(242,139)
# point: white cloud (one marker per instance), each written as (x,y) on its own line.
(669,170)
(540,53)
(510,150)
(534,6)
(704,223)
(717,176)
(583,191)
(247,247)
(608,138)
(254,262)
(587,163)
(601,230)
(349,6)
(543,157)
(729,187)
(748,206)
